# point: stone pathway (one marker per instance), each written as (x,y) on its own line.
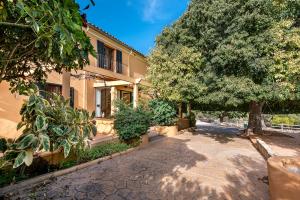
(207,164)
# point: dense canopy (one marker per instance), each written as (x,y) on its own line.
(37,37)
(250,54)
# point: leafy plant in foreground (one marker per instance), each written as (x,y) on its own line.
(49,126)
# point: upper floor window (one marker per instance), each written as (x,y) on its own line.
(119,62)
(105,56)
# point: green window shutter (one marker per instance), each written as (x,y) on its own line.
(72,95)
(101,53)
(119,62)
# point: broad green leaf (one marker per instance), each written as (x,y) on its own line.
(29,157)
(45,141)
(36,27)
(20,159)
(67,148)
(26,141)
(20,125)
(86,131)
(31,100)
(58,131)
(40,123)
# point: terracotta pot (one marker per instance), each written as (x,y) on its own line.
(144,140)
(183,123)
(166,130)
(284,177)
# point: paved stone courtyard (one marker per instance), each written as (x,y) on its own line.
(211,163)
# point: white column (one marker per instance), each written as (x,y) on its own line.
(135,95)
(66,78)
(114,96)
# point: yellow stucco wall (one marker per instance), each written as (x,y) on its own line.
(84,96)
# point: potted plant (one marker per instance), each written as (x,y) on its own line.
(164,117)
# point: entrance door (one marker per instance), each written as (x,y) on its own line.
(98,102)
(103,102)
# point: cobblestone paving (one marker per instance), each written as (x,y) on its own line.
(201,165)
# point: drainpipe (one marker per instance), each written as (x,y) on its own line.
(128,63)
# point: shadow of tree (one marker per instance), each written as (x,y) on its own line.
(166,169)
(218,133)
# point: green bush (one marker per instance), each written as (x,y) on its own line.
(286,119)
(103,150)
(131,123)
(192,119)
(163,112)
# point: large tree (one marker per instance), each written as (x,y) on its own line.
(37,37)
(177,69)
(250,49)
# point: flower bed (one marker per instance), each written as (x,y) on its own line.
(11,176)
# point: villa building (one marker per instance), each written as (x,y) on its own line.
(115,73)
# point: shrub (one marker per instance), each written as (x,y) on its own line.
(286,119)
(163,112)
(192,119)
(131,123)
(49,125)
(103,150)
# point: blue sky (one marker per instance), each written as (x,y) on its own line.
(135,22)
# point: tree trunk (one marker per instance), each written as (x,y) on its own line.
(180,110)
(255,117)
(222,116)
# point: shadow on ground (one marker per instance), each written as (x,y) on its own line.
(219,133)
(166,169)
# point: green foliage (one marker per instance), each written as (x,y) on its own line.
(49,126)
(286,119)
(3,144)
(131,123)
(9,175)
(175,75)
(163,112)
(40,36)
(103,150)
(192,119)
(249,51)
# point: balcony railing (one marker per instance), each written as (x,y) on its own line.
(105,62)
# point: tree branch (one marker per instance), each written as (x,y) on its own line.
(15,24)
(5,66)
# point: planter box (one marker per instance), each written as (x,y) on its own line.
(144,140)
(183,123)
(105,126)
(165,130)
(284,177)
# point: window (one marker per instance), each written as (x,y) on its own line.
(46,89)
(126,96)
(105,56)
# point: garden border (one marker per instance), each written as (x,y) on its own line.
(264,149)
(46,177)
